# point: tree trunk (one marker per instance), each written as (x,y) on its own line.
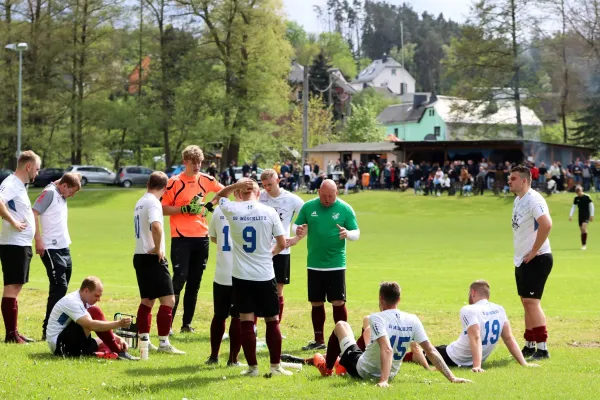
(164,93)
(516,69)
(565,92)
(81,80)
(74,76)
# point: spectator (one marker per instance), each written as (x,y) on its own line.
(542,175)
(350,184)
(417,179)
(481,180)
(254,176)
(307,175)
(468,186)
(254,167)
(232,172)
(285,168)
(246,170)
(288,182)
(597,176)
(535,175)
(212,170)
(330,169)
(445,184)
(387,174)
(410,169)
(586,175)
(316,169)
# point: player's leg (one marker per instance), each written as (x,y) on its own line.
(244,298)
(536,274)
(365,335)
(317,295)
(281,266)
(346,349)
(144,272)
(75,341)
(583,227)
(107,337)
(235,335)
(180,259)
(221,306)
(162,289)
(58,266)
(15,262)
(529,348)
(336,294)
(269,306)
(197,265)
(417,355)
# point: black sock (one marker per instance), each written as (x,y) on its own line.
(583,238)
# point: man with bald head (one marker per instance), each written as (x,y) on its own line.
(328,222)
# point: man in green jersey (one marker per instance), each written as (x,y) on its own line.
(328,222)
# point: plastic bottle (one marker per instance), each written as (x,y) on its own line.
(144,345)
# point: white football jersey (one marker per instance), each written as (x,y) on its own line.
(68,310)
(401,328)
(219,229)
(252,226)
(491,318)
(52,208)
(147,210)
(526,211)
(287,205)
(13,193)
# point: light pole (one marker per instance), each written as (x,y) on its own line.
(19,48)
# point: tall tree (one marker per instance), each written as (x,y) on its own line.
(587,133)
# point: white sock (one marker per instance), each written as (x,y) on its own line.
(531,345)
(144,336)
(164,340)
(542,346)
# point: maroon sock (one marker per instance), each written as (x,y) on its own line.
(108,337)
(164,318)
(235,339)
(529,335)
(361,341)
(217,329)
(541,334)
(333,351)
(274,341)
(584,238)
(280,308)
(249,342)
(318,321)
(9,313)
(144,318)
(340,313)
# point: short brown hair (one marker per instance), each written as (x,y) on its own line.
(27,157)
(578,188)
(481,287)
(72,179)
(157,181)
(268,174)
(90,283)
(192,153)
(390,292)
(523,171)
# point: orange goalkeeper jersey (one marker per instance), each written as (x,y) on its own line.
(181,189)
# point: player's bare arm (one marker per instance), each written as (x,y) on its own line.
(157,233)
(213,239)
(513,347)
(5,214)
(386,353)
(39,243)
(545,225)
(474,334)
(279,245)
(439,363)
(245,185)
(301,231)
(90,324)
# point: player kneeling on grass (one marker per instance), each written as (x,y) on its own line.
(75,317)
(151,266)
(483,323)
(389,334)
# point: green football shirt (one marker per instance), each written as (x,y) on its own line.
(325,249)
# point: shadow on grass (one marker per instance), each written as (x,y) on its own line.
(43,356)
(499,363)
(190,383)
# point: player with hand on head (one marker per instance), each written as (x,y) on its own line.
(252,227)
(483,324)
(151,266)
(585,208)
(287,205)
(18,229)
(533,261)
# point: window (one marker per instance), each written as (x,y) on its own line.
(396,132)
(403,88)
(437,131)
(134,170)
(431,112)
(393,71)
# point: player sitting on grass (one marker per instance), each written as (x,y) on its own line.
(483,323)
(389,334)
(75,317)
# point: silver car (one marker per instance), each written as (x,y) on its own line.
(93,174)
(133,175)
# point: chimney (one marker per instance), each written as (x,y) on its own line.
(384,58)
(419,100)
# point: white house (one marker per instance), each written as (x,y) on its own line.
(387,73)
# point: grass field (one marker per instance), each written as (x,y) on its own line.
(434,247)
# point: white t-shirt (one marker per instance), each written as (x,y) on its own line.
(68,310)
(147,210)
(401,328)
(252,226)
(491,318)
(287,205)
(52,208)
(13,193)
(307,170)
(526,211)
(219,228)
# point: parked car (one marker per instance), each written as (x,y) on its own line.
(133,175)
(238,172)
(4,173)
(93,174)
(48,175)
(174,170)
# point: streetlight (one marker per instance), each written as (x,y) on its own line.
(19,48)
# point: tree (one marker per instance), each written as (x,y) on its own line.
(406,54)
(319,77)
(374,100)
(587,133)
(363,126)
(319,130)
(339,53)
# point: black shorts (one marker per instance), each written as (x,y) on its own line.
(349,360)
(153,276)
(531,278)
(442,350)
(15,262)
(223,302)
(281,265)
(584,219)
(326,285)
(72,342)
(258,297)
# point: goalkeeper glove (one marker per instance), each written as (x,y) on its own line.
(210,207)
(192,208)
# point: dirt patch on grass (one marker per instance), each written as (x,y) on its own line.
(587,345)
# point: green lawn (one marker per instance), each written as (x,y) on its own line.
(434,247)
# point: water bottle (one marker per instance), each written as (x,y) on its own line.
(144,345)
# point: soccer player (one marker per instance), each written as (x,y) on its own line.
(182,202)
(76,316)
(18,228)
(224,306)
(531,225)
(483,323)
(151,266)
(328,221)
(388,335)
(52,240)
(585,208)
(287,205)
(252,226)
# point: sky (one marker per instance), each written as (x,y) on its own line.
(302,12)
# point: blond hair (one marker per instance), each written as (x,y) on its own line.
(268,174)
(482,287)
(27,157)
(192,153)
